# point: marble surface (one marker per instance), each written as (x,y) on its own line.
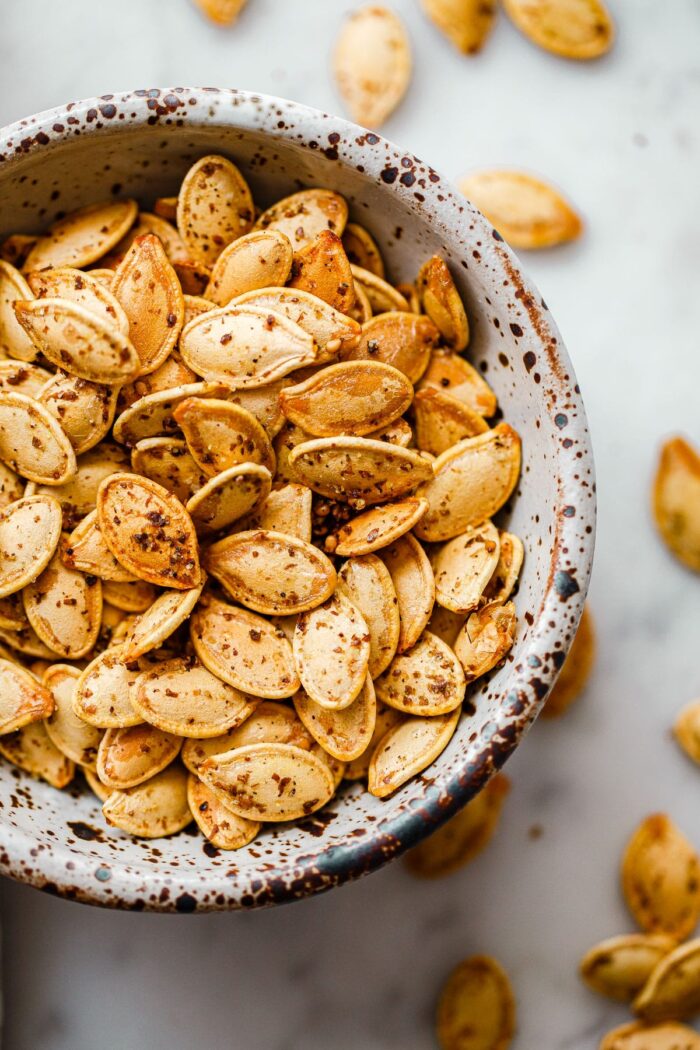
(361,967)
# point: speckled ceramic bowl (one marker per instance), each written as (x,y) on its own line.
(140,144)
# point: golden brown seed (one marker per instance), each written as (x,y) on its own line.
(464,836)
(355,397)
(332,331)
(148,531)
(379,527)
(150,294)
(130,597)
(83,236)
(476,1010)
(449,373)
(528,212)
(639,1036)
(151,226)
(362,249)
(214,207)
(76,739)
(21,377)
(414,584)
(464,566)
(65,609)
(672,991)
(510,561)
(261,259)
(271,572)
(386,719)
(224,828)
(11,486)
(620,966)
(302,216)
(372,64)
(576,669)
(323,269)
(426,680)
(78,496)
(366,582)
(383,297)
(401,339)
(86,550)
(65,282)
(486,638)
(579,29)
(270,723)
(32,442)
(14,341)
(160,620)
(29,533)
(153,809)
(441,421)
(358,469)
(172,373)
(676,501)
(168,462)
(245,346)
(467,23)
(127,757)
(152,414)
(181,696)
(103,694)
(78,341)
(285,510)
(471,482)
(686,730)
(264,403)
(223,13)
(221,435)
(243,649)
(661,878)
(337,627)
(344,734)
(406,749)
(27,642)
(32,749)
(269,782)
(22,698)
(84,410)
(442,303)
(229,496)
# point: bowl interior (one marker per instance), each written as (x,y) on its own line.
(141,145)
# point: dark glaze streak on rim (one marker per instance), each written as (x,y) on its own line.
(325,868)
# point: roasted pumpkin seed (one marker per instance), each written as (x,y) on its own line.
(270,723)
(580,29)
(322,268)
(379,527)
(224,828)
(127,757)
(285,510)
(32,749)
(449,373)
(471,482)
(332,331)
(344,734)
(362,249)
(406,749)
(426,680)
(154,809)
(65,609)
(103,694)
(463,567)
(76,739)
(84,410)
(221,435)
(152,414)
(639,1036)
(476,1010)
(441,421)
(672,991)
(261,259)
(229,496)
(214,207)
(243,649)
(269,782)
(14,341)
(32,442)
(160,620)
(620,966)
(30,530)
(358,469)
(303,215)
(466,24)
(372,64)
(148,531)
(528,212)
(402,339)
(441,302)
(271,572)
(366,582)
(414,584)
(676,501)
(23,699)
(486,638)
(336,627)
(686,730)
(661,878)
(65,282)
(83,236)
(130,597)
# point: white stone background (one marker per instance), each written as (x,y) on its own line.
(361,967)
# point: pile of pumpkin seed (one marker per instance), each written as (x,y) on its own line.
(246,493)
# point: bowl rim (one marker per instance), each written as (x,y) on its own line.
(528,682)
